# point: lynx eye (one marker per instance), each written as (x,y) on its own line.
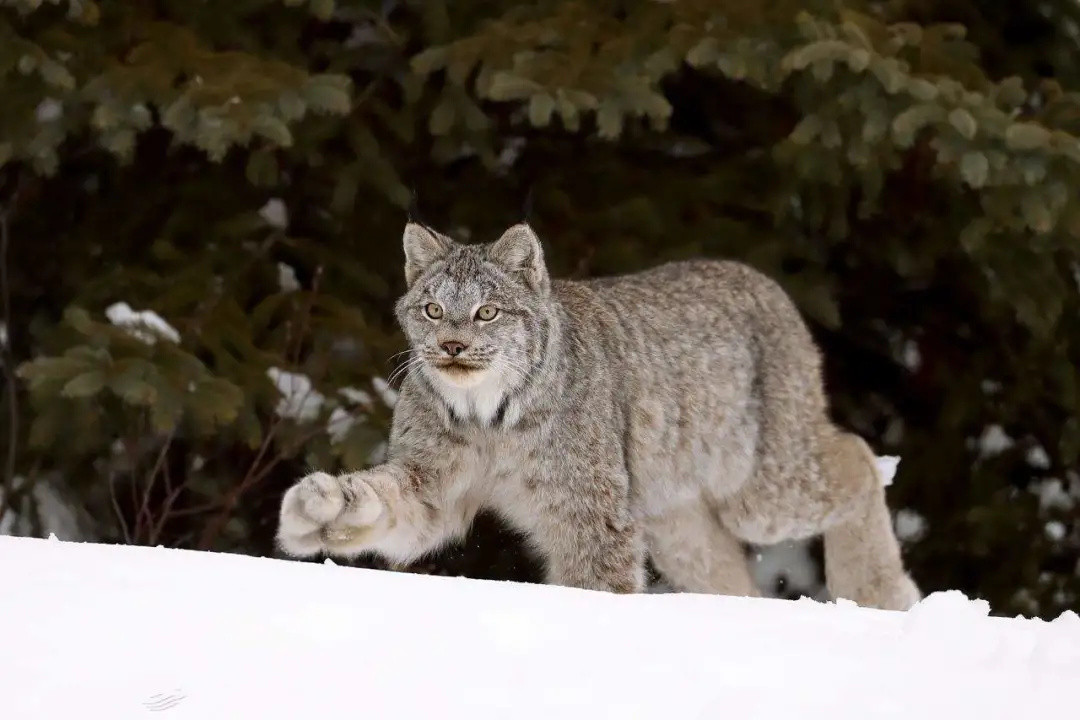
(486,312)
(433,311)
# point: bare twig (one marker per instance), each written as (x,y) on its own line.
(197,509)
(171,494)
(116,508)
(144,514)
(213,529)
(131,447)
(265,470)
(255,474)
(305,319)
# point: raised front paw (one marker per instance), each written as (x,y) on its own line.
(323,513)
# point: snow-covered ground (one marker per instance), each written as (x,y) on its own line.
(102,632)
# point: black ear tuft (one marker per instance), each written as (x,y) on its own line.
(527,207)
(413,215)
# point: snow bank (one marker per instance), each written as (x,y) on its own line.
(104,632)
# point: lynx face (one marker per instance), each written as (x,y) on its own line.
(471,312)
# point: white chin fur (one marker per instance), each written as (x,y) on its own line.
(476,395)
(461,378)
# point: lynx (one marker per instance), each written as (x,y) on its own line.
(673,414)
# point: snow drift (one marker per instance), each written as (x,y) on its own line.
(103,632)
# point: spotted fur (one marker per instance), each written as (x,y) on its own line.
(676,413)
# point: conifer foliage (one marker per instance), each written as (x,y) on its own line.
(201,205)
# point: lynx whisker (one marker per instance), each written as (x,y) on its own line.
(403,369)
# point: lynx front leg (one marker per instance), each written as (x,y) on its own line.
(590,539)
(614,562)
(321,510)
(395,511)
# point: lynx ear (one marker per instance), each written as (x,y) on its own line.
(518,251)
(422,248)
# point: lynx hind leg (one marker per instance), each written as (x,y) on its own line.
(838,494)
(862,555)
(695,553)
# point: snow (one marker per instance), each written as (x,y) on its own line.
(509,154)
(386,393)
(906,351)
(994,441)
(378,453)
(50,505)
(48,110)
(287,278)
(146,325)
(910,356)
(300,400)
(339,424)
(1037,457)
(1053,496)
(886,467)
(910,525)
(790,560)
(101,632)
(1055,530)
(275,214)
(356,396)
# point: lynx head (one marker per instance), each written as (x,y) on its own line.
(473,313)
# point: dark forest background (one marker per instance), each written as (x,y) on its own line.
(908,169)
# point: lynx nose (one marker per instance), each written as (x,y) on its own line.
(453,348)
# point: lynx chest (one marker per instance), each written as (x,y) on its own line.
(507,468)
